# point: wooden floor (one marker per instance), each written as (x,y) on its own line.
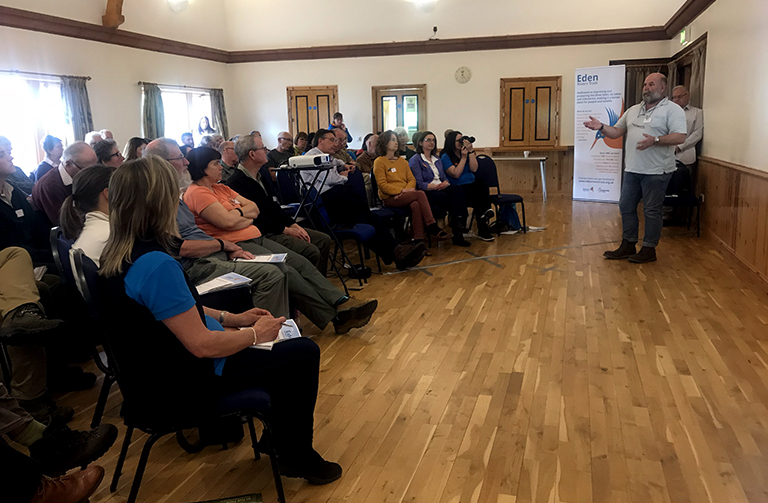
(536,371)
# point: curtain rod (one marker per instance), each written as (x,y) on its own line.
(36,74)
(179,86)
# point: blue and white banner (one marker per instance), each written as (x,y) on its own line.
(596,158)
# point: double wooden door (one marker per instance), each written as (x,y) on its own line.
(311,108)
(530,112)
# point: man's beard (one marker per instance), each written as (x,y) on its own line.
(185,180)
(650,97)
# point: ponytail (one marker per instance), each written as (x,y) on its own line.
(71,219)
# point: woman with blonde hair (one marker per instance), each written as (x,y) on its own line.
(157,312)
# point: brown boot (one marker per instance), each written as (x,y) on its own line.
(75,488)
(626,250)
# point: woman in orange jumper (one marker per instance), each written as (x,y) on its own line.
(397,187)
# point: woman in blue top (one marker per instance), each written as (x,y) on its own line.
(143,197)
(460,164)
(443,197)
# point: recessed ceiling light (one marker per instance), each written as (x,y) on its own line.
(424,5)
(178,5)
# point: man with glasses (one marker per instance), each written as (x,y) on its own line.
(694,120)
(653,128)
(341,150)
(228,160)
(54,187)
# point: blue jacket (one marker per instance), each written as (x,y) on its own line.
(423,173)
(331,127)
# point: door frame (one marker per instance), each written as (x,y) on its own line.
(291,92)
(419,88)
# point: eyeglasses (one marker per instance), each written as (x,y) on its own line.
(114,155)
(428,140)
(286,139)
(260,148)
(171,159)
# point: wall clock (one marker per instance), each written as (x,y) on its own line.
(463,74)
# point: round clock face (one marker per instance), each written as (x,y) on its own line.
(463,74)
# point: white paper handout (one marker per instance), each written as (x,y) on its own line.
(223,282)
(289,330)
(275,258)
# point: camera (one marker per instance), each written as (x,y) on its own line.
(470,139)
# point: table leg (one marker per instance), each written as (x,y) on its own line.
(543,166)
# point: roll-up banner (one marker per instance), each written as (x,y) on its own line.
(597,158)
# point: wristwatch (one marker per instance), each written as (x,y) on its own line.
(656,140)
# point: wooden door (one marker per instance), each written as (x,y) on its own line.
(530,112)
(311,108)
(399,106)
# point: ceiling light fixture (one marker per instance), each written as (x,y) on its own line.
(178,5)
(424,5)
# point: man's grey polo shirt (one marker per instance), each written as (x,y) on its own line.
(663,119)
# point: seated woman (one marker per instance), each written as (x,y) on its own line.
(402,144)
(428,171)
(460,163)
(85,214)
(224,214)
(53,149)
(160,314)
(134,148)
(397,187)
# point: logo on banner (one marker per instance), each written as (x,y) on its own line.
(613,118)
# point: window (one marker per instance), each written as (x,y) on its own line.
(530,112)
(183,109)
(400,106)
(32,109)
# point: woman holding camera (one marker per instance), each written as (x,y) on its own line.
(397,187)
(460,163)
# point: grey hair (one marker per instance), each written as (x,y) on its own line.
(4,142)
(206,141)
(223,146)
(75,151)
(89,137)
(161,147)
(679,87)
(244,145)
(103,149)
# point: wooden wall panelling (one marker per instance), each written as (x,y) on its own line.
(524,178)
(735,211)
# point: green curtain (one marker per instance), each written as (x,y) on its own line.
(78,106)
(152,114)
(219,113)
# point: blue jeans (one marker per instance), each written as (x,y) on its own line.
(651,189)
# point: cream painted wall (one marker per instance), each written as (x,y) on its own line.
(202,23)
(735,95)
(115,71)
(473,108)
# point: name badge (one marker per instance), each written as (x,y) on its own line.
(20,213)
(393,170)
(647,119)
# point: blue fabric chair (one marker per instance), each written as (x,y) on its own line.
(487,172)
(248,403)
(61,246)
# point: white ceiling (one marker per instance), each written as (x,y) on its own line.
(263,24)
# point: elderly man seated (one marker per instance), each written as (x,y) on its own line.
(53,188)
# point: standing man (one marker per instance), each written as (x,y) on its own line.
(694,120)
(653,128)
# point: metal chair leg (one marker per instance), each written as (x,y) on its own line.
(142,466)
(525,227)
(254,442)
(5,363)
(273,459)
(121,458)
(101,404)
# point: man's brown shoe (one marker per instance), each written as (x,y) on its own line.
(75,488)
(626,250)
(646,254)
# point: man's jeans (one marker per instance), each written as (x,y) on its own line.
(651,189)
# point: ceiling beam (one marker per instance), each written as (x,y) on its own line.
(17,18)
(113,17)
